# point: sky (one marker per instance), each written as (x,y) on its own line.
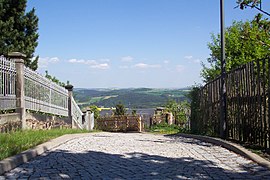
(129,43)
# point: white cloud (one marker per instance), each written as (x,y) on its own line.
(191,59)
(127,59)
(166,62)
(146,66)
(95,64)
(100,66)
(180,68)
(44,62)
(188,57)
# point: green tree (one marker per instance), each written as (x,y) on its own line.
(245,42)
(95,110)
(120,110)
(257,4)
(54,79)
(180,111)
(18,30)
(134,112)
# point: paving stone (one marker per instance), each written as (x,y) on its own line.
(138,156)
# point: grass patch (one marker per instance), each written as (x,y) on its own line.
(15,142)
(164,128)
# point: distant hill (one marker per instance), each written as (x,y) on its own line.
(131,98)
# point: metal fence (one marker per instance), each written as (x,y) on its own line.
(248,105)
(7,84)
(39,94)
(42,95)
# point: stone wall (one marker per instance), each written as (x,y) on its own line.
(10,122)
(10,126)
(46,125)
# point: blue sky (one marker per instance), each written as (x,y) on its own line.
(129,43)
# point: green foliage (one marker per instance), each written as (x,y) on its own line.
(95,110)
(16,142)
(134,112)
(248,3)
(132,98)
(18,30)
(245,42)
(120,110)
(164,128)
(179,110)
(195,109)
(257,4)
(54,79)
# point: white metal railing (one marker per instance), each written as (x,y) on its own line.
(76,113)
(7,84)
(41,94)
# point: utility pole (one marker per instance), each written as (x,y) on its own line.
(223,110)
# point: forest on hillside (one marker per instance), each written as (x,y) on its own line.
(131,98)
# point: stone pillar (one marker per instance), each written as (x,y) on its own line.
(140,124)
(70,94)
(20,102)
(86,122)
(91,121)
(170,118)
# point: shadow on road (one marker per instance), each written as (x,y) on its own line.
(95,165)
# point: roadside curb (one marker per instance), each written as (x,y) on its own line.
(25,156)
(231,146)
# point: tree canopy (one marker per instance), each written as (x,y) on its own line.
(54,79)
(244,41)
(179,111)
(119,109)
(18,30)
(257,4)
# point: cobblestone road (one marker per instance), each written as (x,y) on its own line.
(138,156)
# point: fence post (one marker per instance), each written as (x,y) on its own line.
(69,87)
(20,102)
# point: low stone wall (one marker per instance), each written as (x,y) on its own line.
(10,117)
(46,125)
(10,122)
(10,126)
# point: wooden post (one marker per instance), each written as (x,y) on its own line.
(20,102)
